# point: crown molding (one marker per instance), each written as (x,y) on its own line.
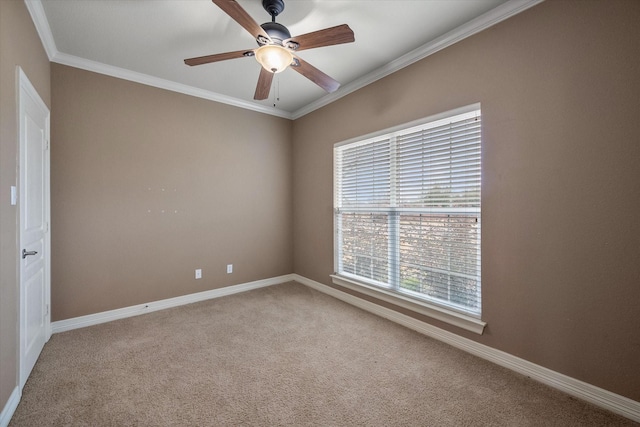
(36,10)
(122,73)
(488,19)
(41,23)
(494,16)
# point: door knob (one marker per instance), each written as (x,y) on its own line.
(26,253)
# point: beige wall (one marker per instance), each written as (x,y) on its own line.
(147,185)
(19,46)
(560,91)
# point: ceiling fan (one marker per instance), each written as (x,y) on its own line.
(277,49)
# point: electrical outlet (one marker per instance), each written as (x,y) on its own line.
(198,273)
(229,268)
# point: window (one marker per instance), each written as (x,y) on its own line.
(407,213)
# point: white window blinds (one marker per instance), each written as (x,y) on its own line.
(407,211)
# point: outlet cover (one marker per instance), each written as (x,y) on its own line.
(229,268)
(198,273)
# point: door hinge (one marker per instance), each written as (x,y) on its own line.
(46,227)
(46,309)
(46,145)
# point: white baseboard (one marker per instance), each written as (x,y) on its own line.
(10,407)
(136,310)
(605,399)
(590,393)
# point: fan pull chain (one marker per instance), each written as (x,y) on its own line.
(277,95)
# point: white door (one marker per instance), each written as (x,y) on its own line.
(35,273)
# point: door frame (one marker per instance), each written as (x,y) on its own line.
(26,89)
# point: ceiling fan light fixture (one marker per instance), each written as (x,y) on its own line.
(274,58)
(276,46)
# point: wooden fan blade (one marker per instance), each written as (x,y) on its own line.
(238,14)
(316,76)
(218,57)
(327,37)
(264,84)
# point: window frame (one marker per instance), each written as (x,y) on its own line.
(440,310)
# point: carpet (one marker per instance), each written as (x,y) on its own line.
(285,355)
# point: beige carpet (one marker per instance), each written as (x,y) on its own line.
(283,355)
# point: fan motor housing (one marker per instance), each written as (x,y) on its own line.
(277,32)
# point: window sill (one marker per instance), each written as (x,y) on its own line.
(451,317)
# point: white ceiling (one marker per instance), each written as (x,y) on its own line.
(147,41)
